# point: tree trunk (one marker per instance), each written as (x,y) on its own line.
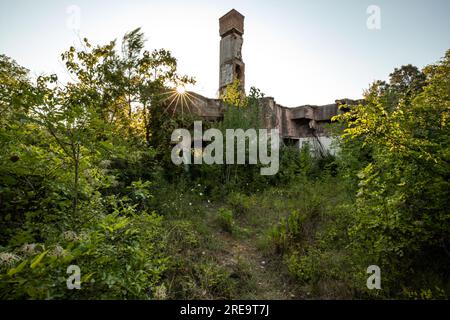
(147,128)
(76,179)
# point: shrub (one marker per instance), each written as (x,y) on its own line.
(240,203)
(288,232)
(226,219)
(120,257)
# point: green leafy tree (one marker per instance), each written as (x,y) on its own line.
(402,202)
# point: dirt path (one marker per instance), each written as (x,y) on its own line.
(267,274)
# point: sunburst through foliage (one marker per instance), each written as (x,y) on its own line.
(179,100)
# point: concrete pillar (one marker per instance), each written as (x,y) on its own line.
(231,65)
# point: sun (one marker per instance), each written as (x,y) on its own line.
(180,99)
(181,89)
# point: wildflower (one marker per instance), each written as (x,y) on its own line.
(8,259)
(161,292)
(70,236)
(58,251)
(28,249)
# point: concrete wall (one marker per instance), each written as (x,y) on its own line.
(300,125)
(209,109)
(320,144)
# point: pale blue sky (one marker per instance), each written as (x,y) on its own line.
(300,52)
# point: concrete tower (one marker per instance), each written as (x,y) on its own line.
(231,65)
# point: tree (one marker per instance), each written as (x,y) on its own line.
(234,95)
(407,81)
(402,202)
(69,115)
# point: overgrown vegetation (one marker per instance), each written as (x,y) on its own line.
(86,179)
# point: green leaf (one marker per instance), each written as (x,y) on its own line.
(13,271)
(38,259)
(87,277)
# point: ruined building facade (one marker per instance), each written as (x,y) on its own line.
(297,126)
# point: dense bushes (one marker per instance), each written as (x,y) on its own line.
(401,210)
(76,175)
(120,255)
(393,165)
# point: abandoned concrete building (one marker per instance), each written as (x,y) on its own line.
(297,126)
